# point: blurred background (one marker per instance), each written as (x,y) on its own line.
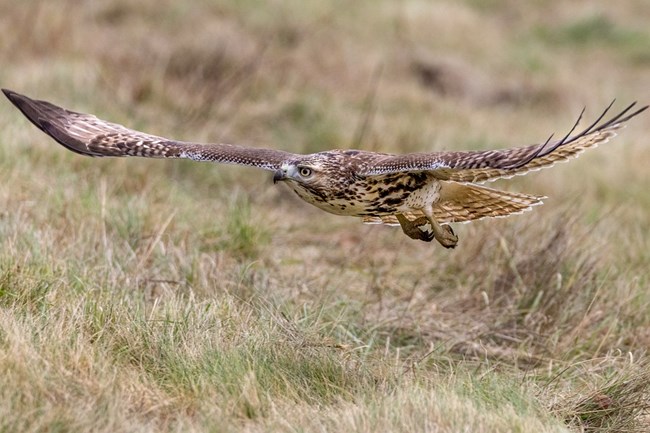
(565,283)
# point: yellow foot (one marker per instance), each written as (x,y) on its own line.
(412,228)
(442,232)
(446,236)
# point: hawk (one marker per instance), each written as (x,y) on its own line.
(421,192)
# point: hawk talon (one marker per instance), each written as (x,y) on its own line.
(412,228)
(443,233)
(449,238)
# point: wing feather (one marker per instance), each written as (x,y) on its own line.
(489,165)
(88,135)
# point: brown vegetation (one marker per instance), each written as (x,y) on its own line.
(140,295)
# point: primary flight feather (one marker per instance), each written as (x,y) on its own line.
(422,192)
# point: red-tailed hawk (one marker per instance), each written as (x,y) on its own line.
(422,192)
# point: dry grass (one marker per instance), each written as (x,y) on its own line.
(171,296)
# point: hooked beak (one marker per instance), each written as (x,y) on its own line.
(279,175)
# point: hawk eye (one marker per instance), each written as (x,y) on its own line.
(304,171)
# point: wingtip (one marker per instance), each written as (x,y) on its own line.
(15,97)
(10,94)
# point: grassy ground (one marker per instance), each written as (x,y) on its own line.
(140,295)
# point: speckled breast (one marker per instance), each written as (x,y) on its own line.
(377,195)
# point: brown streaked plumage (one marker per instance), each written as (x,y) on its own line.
(421,192)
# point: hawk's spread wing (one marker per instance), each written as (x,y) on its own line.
(88,135)
(481,166)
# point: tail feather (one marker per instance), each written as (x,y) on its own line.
(462,203)
(466,202)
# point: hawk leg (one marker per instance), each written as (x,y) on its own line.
(443,233)
(412,228)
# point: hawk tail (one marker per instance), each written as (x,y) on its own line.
(461,203)
(467,202)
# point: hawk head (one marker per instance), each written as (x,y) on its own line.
(319,177)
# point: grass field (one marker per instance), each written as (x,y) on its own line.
(142,295)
